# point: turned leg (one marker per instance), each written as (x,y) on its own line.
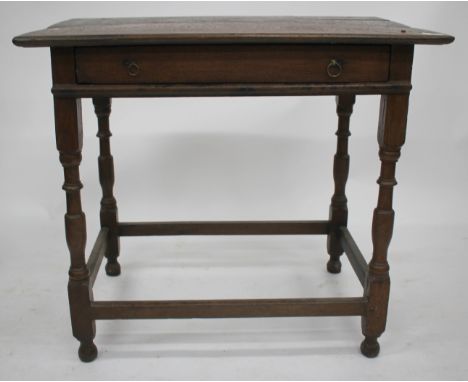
(69,143)
(391,136)
(108,214)
(338,207)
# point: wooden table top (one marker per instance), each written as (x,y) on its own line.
(212,30)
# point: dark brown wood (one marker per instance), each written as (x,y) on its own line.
(228,90)
(355,257)
(401,63)
(109,310)
(109,213)
(69,143)
(391,136)
(97,254)
(232,30)
(182,64)
(319,227)
(339,209)
(63,66)
(229,56)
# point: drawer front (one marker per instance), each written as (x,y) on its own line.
(184,64)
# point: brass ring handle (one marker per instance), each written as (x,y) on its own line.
(334,68)
(132,68)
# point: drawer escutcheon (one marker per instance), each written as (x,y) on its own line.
(334,68)
(132,68)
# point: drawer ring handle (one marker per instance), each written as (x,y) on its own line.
(334,68)
(132,68)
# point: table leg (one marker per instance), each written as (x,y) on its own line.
(391,136)
(338,207)
(109,213)
(69,136)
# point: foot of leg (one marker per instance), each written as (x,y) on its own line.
(370,347)
(334,265)
(113,268)
(87,351)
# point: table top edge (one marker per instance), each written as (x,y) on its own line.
(229,30)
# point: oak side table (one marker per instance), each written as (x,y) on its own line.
(229,56)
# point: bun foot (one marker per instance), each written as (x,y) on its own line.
(87,351)
(334,266)
(113,269)
(370,347)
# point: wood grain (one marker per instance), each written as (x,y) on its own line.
(69,143)
(179,64)
(97,254)
(319,227)
(229,56)
(338,211)
(391,136)
(109,310)
(229,90)
(109,213)
(354,254)
(232,30)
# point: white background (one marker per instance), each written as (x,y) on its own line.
(229,159)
